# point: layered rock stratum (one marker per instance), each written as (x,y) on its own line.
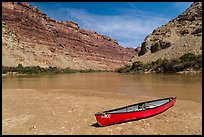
(31,38)
(179,36)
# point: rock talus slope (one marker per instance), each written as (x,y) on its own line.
(179,36)
(31,38)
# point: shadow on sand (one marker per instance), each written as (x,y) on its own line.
(96,125)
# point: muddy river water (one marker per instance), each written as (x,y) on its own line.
(185,87)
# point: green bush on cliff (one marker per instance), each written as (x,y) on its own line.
(188,57)
(159,61)
(138,66)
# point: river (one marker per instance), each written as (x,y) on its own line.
(184,87)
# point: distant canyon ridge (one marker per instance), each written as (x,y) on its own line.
(31,38)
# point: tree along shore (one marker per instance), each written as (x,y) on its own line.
(40,70)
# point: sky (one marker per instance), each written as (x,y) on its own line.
(127,22)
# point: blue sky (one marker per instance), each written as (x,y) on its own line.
(127,22)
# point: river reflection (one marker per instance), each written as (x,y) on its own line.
(185,87)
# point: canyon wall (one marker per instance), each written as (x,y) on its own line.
(31,38)
(179,36)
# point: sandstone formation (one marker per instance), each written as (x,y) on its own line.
(31,38)
(181,35)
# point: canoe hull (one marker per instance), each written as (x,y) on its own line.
(109,119)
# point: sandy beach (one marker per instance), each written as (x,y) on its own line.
(59,111)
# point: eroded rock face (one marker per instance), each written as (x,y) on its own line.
(143,49)
(31,38)
(181,35)
(159,45)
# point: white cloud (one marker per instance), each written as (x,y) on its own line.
(182,6)
(129,29)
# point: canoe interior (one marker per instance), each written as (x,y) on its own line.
(140,106)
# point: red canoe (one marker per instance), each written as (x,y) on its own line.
(134,112)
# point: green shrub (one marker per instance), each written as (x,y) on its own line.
(20,66)
(124,69)
(188,57)
(137,66)
(5,70)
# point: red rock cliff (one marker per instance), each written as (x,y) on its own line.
(31,38)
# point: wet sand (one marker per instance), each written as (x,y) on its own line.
(60,111)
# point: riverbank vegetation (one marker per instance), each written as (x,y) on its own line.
(186,62)
(20,69)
